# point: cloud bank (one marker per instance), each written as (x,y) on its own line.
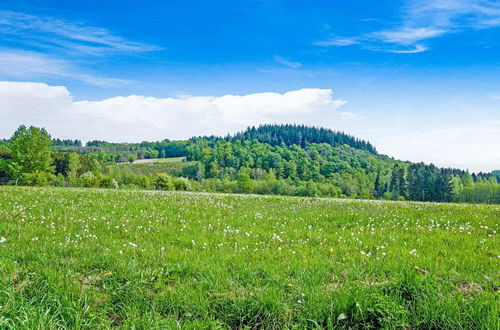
(473,147)
(137,118)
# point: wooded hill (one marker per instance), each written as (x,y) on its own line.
(273,159)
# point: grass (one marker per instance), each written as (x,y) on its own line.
(88,258)
(173,165)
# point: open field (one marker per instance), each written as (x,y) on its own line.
(87,258)
(152,166)
(158,160)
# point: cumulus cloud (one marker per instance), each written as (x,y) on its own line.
(137,118)
(134,118)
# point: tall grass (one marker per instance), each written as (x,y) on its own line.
(88,258)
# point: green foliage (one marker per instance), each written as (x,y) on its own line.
(398,185)
(30,149)
(120,152)
(182,184)
(244,183)
(73,165)
(107,182)
(344,168)
(457,188)
(481,193)
(301,135)
(272,159)
(35,178)
(163,181)
(132,158)
(467,180)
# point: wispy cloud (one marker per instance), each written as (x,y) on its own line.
(288,63)
(28,65)
(407,35)
(45,47)
(422,20)
(415,50)
(338,42)
(75,37)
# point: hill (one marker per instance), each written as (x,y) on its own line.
(301,135)
(271,159)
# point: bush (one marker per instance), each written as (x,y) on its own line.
(163,181)
(59,180)
(145,182)
(87,180)
(182,184)
(36,178)
(107,182)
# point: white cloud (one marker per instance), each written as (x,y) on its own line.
(137,118)
(470,147)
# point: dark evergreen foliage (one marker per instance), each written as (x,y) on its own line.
(299,135)
(66,143)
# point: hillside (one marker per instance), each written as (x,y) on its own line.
(174,166)
(271,159)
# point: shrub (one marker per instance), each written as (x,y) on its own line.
(163,181)
(37,178)
(182,184)
(107,182)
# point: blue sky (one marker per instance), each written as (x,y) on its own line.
(420,79)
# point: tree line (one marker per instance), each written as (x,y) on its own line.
(264,160)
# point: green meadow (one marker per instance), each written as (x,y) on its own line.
(101,258)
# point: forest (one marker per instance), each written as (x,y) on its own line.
(291,160)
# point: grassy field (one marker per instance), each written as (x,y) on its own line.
(153,166)
(86,258)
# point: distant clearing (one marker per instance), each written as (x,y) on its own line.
(173,165)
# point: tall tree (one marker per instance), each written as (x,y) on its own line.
(467,180)
(398,184)
(30,151)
